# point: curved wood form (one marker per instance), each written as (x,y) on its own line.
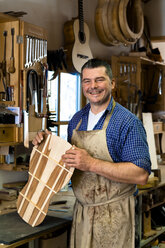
(47,175)
(105,24)
(133,29)
(99,24)
(113,22)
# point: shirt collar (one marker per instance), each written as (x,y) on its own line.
(108,109)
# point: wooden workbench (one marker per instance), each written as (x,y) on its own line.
(15,232)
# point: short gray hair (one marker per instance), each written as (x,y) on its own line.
(94,63)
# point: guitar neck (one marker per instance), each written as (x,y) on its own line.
(81,16)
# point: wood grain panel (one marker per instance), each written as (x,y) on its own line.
(47,176)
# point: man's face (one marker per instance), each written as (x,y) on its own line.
(96,85)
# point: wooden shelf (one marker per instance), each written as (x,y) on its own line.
(7,167)
(154,206)
(147,241)
(8,103)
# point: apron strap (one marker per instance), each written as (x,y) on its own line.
(106,120)
(108,117)
(78,125)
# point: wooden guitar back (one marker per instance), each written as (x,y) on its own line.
(47,175)
(78,53)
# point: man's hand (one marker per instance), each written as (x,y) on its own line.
(39,137)
(78,158)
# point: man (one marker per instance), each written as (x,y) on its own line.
(110,156)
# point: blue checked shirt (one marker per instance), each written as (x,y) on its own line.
(125,134)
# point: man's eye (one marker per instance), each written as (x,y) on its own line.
(86,81)
(100,80)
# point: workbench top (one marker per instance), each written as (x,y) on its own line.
(14,229)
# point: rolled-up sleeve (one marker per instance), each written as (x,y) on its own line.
(134,146)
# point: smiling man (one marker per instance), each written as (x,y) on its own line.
(110,156)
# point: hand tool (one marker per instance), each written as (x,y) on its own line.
(12,66)
(35,51)
(27,52)
(26,111)
(45,48)
(6,75)
(3,82)
(38,50)
(32,88)
(30,51)
(4,58)
(35,90)
(41,49)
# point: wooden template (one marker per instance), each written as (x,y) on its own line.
(47,176)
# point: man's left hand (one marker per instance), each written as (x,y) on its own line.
(77,158)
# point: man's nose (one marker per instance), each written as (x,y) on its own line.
(93,84)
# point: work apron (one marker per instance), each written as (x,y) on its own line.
(104,209)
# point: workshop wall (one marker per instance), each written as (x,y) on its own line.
(154,11)
(52,14)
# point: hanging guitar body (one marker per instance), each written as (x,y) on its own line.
(47,175)
(76,36)
(81,52)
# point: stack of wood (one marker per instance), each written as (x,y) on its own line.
(7,200)
(9,195)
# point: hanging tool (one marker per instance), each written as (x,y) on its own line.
(26,112)
(6,75)
(34,82)
(27,52)
(12,62)
(3,69)
(4,58)
(31,95)
(30,51)
(3,82)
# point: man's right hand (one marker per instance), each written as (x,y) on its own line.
(39,137)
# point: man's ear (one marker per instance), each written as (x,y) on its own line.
(113,83)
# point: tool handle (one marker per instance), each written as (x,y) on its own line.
(12,67)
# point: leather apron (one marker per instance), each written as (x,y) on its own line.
(104,212)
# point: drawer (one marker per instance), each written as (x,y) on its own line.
(7,134)
(158,127)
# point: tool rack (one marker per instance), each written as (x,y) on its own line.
(140,83)
(26,50)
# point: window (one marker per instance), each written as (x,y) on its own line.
(64,96)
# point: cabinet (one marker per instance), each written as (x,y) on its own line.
(140,83)
(23,79)
(149,202)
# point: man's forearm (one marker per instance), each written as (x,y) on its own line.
(120,172)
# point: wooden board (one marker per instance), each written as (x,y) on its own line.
(148,125)
(47,176)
